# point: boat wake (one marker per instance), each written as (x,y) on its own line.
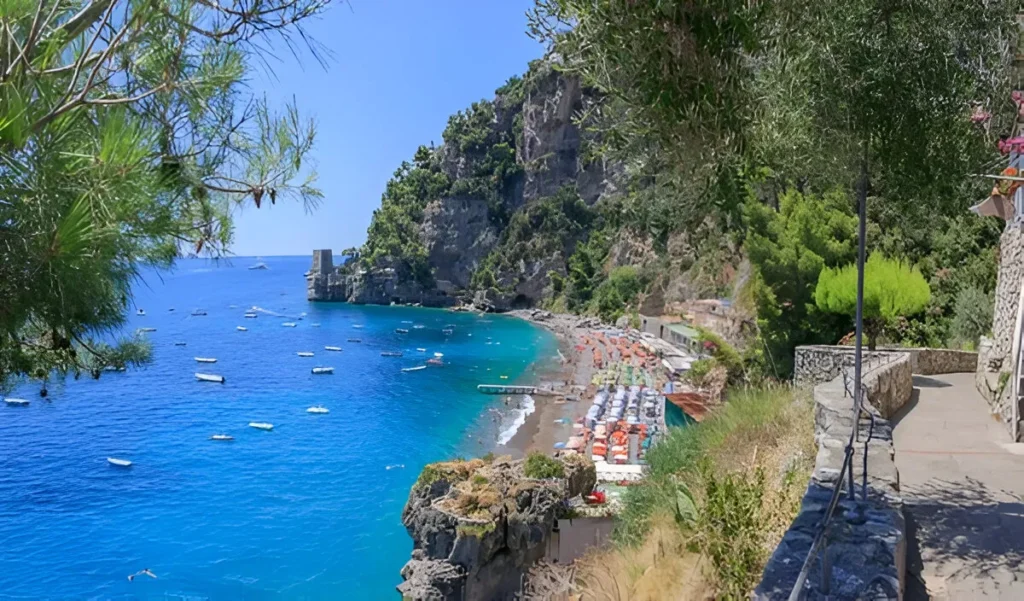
(528,407)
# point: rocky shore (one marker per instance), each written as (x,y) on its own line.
(477,526)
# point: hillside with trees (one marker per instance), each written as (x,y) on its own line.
(613,192)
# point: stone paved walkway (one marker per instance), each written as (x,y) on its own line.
(963,484)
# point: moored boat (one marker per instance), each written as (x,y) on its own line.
(198,313)
(355,340)
(417,368)
(180,343)
(332,348)
(250,316)
(242,328)
(261,426)
(320,409)
(401,331)
(146,330)
(222,437)
(323,370)
(289,324)
(390,354)
(119,462)
(16,402)
(434,362)
(140,312)
(304,354)
(210,378)
(205,359)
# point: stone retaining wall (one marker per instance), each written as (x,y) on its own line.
(815,364)
(866,541)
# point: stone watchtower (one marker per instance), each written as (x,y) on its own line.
(323,283)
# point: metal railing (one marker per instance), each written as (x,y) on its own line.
(820,542)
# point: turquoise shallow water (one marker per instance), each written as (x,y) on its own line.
(307,511)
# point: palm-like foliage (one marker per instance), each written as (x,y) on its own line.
(126,137)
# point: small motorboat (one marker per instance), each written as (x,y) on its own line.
(171,309)
(439,355)
(390,354)
(16,402)
(304,354)
(355,339)
(259,265)
(224,437)
(314,325)
(434,362)
(210,378)
(323,370)
(406,321)
(119,462)
(417,368)
(289,324)
(336,349)
(418,326)
(140,312)
(357,325)
(401,331)
(198,313)
(447,331)
(180,343)
(261,426)
(146,330)
(242,328)
(422,350)
(250,316)
(205,359)
(320,409)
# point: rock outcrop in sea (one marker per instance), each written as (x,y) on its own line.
(478,526)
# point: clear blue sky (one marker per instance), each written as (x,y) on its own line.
(400,68)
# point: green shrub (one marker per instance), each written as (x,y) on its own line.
(892,289)
(972,315)
(477,530)
(540,466)
(728,529)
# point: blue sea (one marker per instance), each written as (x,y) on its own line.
(309,510)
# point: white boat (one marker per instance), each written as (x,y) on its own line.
(422,350)
(439,355)
(323,370)
(16,402)
(251,316)
(391,354)
(336,349)
(119,462)
(417,368)
(289,324)
(222,437)
(357,325)
(401,331)
(418,327)
(205,359)
(314,325)
(260,265)
(261,426)
(318,409)
(140,312)
(210,378)
(242,328)
(146,330)
(304,354)
(113,368)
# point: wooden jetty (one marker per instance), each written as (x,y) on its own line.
(505,389)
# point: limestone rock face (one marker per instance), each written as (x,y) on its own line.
(460,231)
(477,527)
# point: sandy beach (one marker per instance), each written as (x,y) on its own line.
(578,339)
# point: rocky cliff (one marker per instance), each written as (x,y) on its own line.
(466,217)
(477,526)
